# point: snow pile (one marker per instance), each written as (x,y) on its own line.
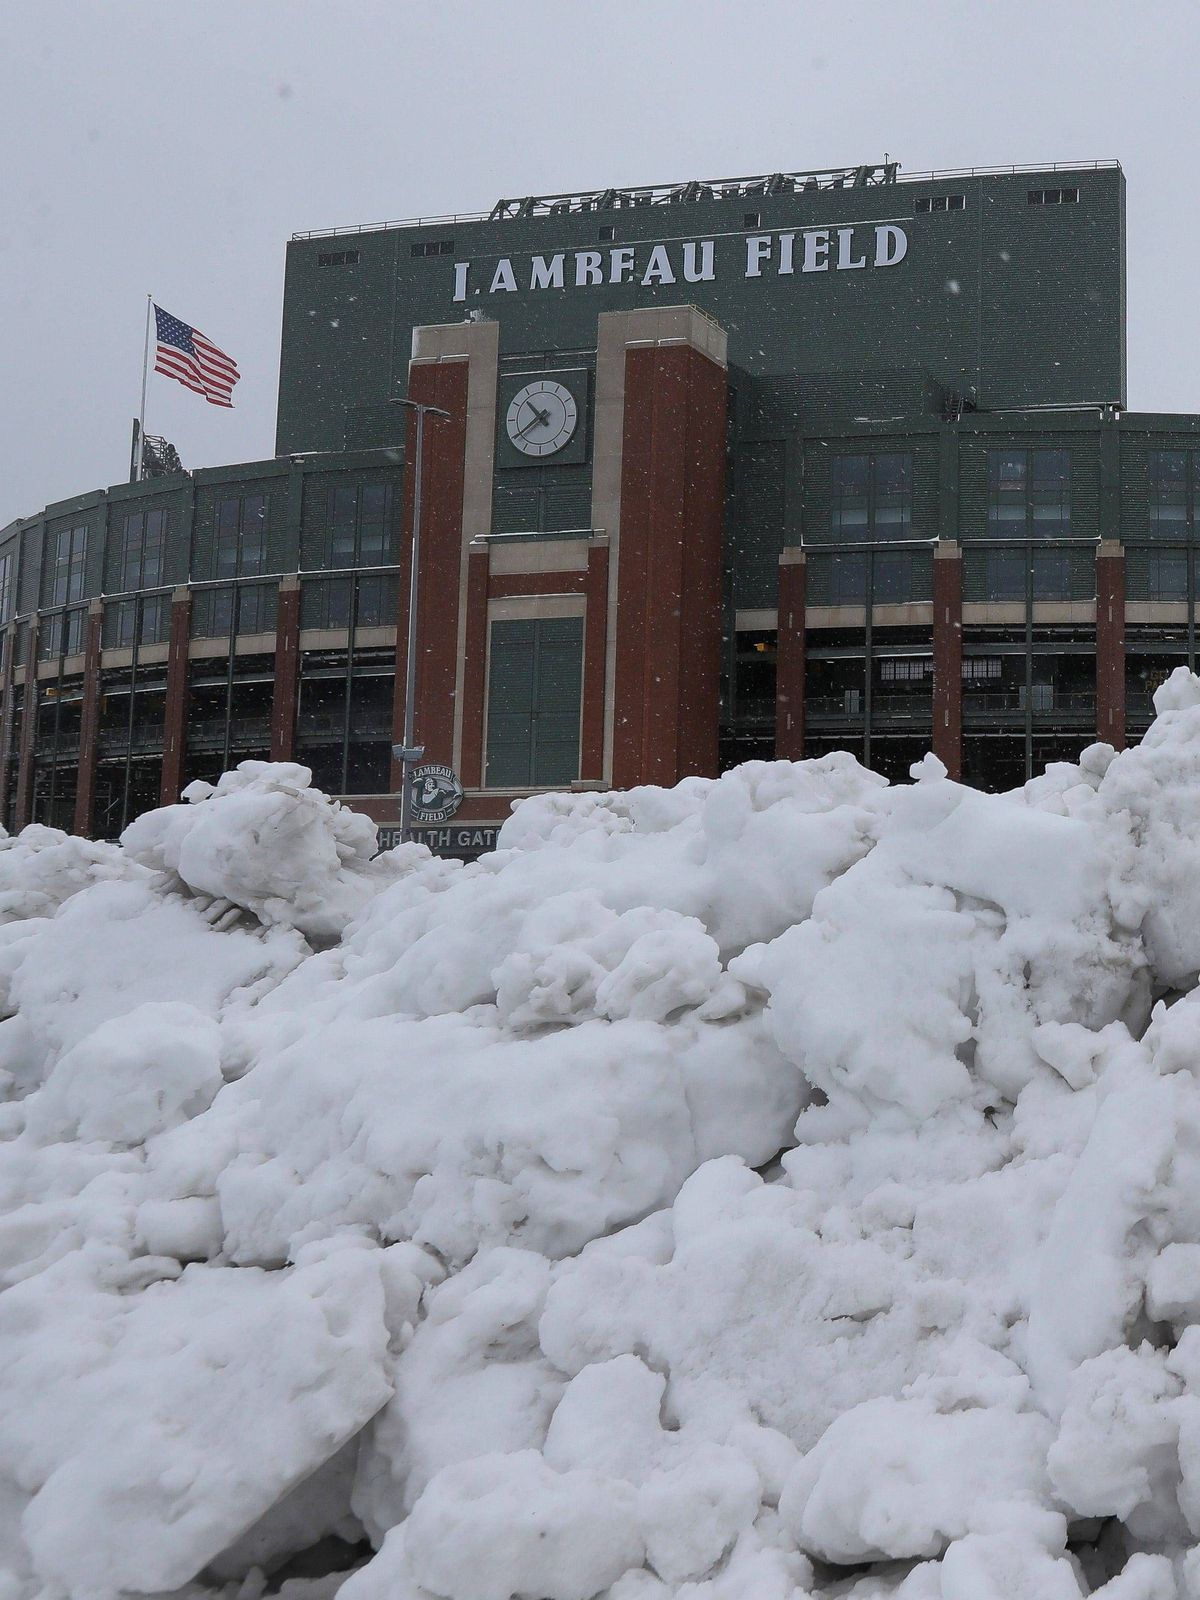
(784,1186)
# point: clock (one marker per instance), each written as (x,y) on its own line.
(541,418)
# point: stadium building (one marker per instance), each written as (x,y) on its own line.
(748,468)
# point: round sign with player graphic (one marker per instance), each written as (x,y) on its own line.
(435,791)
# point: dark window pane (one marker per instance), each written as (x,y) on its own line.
(1004,575)
(848,579)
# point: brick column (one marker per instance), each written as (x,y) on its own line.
(595,664)
(789,670)
(24,802)
(89,722)
(175,716)
(475,669)
(287,671)
(441,383)
(668,584)
(1110,643)
(947,656)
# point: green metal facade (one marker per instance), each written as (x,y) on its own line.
(1015,303)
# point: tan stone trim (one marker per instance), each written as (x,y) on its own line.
(1006,613)
(910,614)
(522,607)
(537,555)
(755,621)
(1160,611)
(835,616)
(150,655)
(71,665)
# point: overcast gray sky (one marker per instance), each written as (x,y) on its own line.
(173,147)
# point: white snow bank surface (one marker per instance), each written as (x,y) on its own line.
(779,1187)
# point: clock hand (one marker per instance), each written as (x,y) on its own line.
(538,416)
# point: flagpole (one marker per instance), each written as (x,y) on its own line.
(138,446)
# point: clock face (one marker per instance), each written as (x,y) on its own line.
(541,418)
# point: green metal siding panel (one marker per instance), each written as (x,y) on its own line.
(511,684)
(315,531)
(759,522)
(1022,304)
(204,554)
(558,698)
(1084,449)
(535,680)
(818,479)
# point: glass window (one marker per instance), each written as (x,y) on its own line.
(1051,575)
(848,579)
(872,497)
(143,549)
(1029,494)
(1169,493)
(893,576)
(70,557)
(131,550)
(1050,493)
(360,525)
(8,570)
(1166,576)
(851,497)
(241,536)
(1004,574)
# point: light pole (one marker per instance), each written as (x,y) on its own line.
(407,754)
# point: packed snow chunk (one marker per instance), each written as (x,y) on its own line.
(574,958)
(134,1076)
(746,853)
(693,1511)
(1116,1454)
(895,1478)
(450,1133)
(1092,1267)
(152,1430)
(116,946)
(262,838)
(41,868)
(471,1381)
(1149,800)
(608,1419)
(997,1566)
(505,1525)
(978,920)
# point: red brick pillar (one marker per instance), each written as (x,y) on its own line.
(439,383)
(24,802)
(89,722)
(287,671)
(668,623)
(1110,644)
(475,673)
(789,670)
(595,663)
(175,719)
(947,656)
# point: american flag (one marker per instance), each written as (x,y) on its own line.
(185,353)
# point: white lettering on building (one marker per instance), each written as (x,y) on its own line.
(842,249)
(503,277)
(547,274)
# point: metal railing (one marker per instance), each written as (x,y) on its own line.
(581,202)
